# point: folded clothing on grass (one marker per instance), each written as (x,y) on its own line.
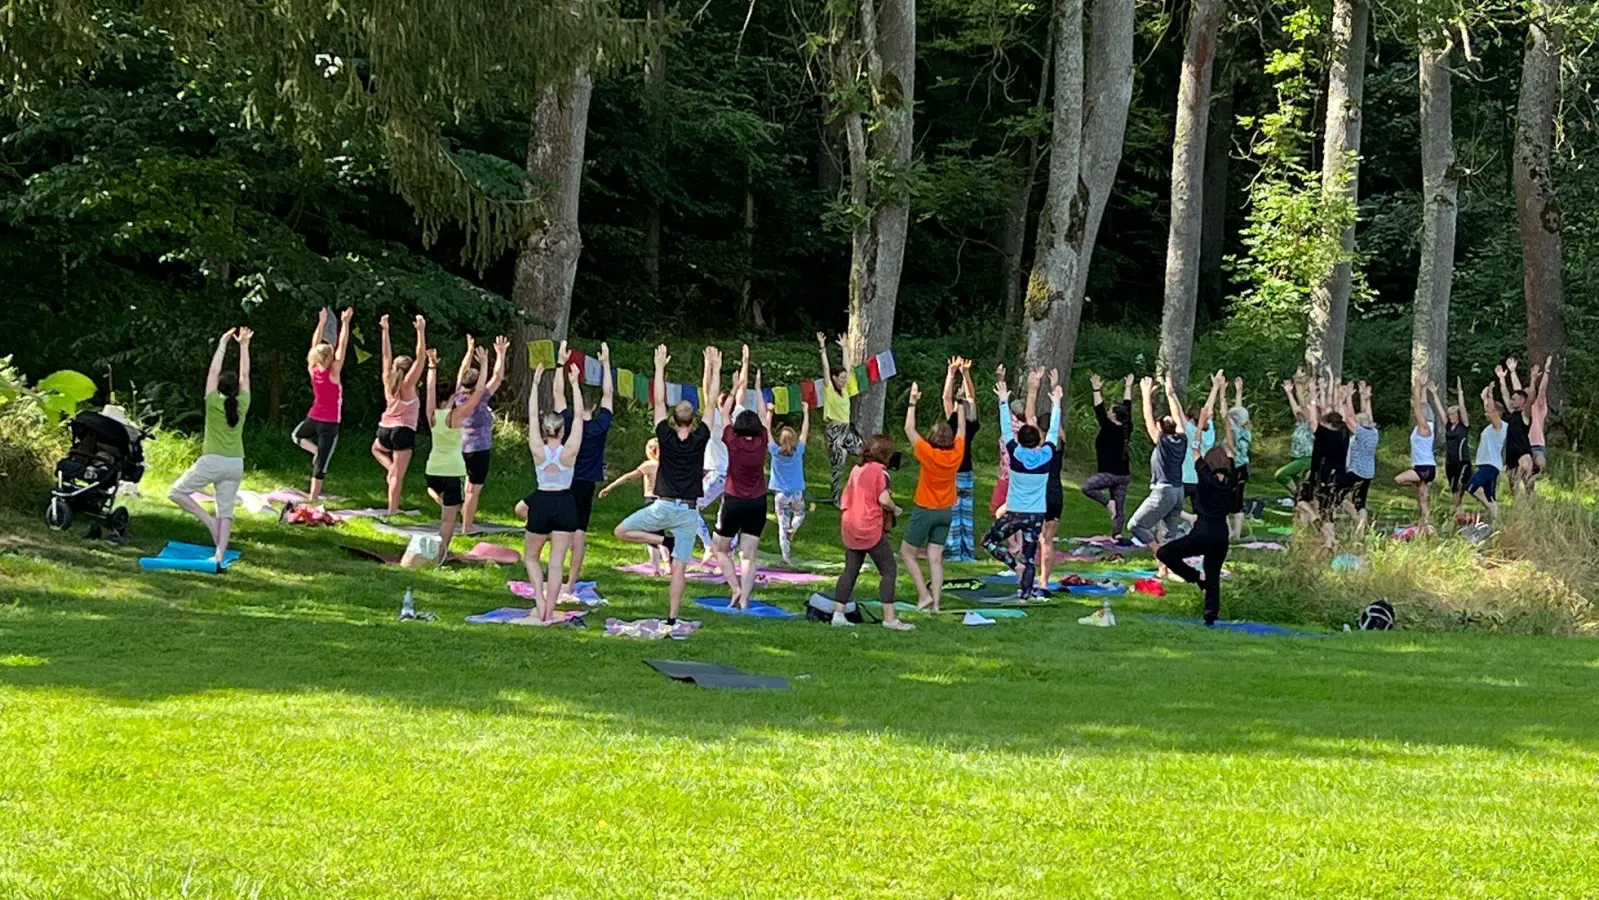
(651,629)
(511,615)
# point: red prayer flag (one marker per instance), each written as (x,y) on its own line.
(874,372)
(808,392)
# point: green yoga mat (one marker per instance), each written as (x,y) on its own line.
(901,606)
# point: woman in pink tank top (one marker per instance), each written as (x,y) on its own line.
(396,437)
(319,433)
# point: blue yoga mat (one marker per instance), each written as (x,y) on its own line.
(757,609)
(1095,590)
(498,616)
(187,557)
(1259,629)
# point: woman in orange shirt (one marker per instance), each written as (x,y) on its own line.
(940,455)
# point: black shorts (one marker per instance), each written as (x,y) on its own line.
(448,487)
(1191,494)
(1354,488)
(1425,474)
(1458,471)
(1054,505)
(583,496)
(551,511)
(477,466)
(397,437)
(741,516)
(1321,490)
(1514,453)
(1240,482)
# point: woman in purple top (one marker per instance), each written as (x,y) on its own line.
(477,432)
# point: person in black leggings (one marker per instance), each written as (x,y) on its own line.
(1209,537)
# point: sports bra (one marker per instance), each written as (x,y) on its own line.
(552,474)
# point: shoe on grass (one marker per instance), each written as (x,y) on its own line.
(899,625)
(1099,618)
(839,621)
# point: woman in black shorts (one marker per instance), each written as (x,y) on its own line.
(1457,438)
(396,437)
(743,517)
(1320,496)
(550,511)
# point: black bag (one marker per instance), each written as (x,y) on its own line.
(820,609)
(1379,616)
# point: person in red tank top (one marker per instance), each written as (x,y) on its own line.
(319,433)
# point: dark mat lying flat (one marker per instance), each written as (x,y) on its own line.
(412,530)
(990,595)
(1259,629)
(715,675)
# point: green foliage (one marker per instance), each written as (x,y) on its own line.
(32,436)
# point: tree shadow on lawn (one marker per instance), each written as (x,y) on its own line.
(1038,687)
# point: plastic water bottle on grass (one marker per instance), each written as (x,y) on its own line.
(407,604)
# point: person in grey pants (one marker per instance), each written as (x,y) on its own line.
(1164,505)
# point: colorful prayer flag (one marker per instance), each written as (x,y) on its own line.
(361,356)
(780,401)
(641,390)
(767,396)
(692,395)
(593,371)
(810,393)
(885,364)
(541,353)
(674,393)
(852,386)
(874,372)
(624,383)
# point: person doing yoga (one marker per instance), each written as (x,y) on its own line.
(644,472)
(1319,496)
(1484,484)
(1518,446)
(318,434)
(1302,443)
(788,481)
(477,432)
(1208,538)
(866,516)
(1425,411)
(842,438)
(1163,508)
(221,462)
(1361,463)
(1457,440)
(743,519)
(446,467)
(1537,417)
(396,437)
(1113,471)
(551,510)
(940,456)
(961,400)
(1243,438)
(1031,453)
(589,470)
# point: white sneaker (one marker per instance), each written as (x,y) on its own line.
(1099,618)
(899,625)
(973,617)
(839,621)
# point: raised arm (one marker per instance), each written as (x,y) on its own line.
(1541,379)
(761,409)
(1512,367)
(624,478)
(1238,391)
(501,345)
(1127,389)
(1209,409)
(1460,398)
(558,392)
(459,413)
(344,343)
(1346,406)
(1504,392)
(321,326)
(1095,383)
(1006,432)
(607,380)
(415,372)
(658,386)
(910,416)
(574,440)
(1147,388)
(1228,438)
(715,384)
(1441,419)
(213,374)
(1309,404)
(1173,405)
(388,355)
(534,440)
(1418,408)
(466,360)
(827,372)
(949,385)
(805,422)
(243,336)
(708,398)
(1363,394)
(1489,407)
(1056,392)
(432,402)
(970,400)
(1293,399)
(1035,378)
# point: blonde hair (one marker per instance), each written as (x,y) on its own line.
(320,356)
(552,425)
(787,441)
(402,365)
(652,450)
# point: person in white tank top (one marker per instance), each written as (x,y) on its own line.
(1484,483)
(1426,410)
(550,511)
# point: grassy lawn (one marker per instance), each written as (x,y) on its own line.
(277,733)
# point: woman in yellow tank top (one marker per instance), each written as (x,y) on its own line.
(446,466)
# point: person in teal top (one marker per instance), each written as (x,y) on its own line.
(221,463)
(1200,426)
(1243,439)
(446,466)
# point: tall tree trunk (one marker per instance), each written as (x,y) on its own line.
(1090,124)
(1440,186)
(878,163)
(546,266)
(1013,237)
(1188,192)
(654,105)
(1213,233)
(1340,171)
(749,304)
(1538,212)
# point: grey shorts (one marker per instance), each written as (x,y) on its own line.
(680,520)
(220,473)
(928,526)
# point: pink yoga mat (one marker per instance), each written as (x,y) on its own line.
(494,553)
(762,576)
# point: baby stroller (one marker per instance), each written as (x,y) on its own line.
(105,452)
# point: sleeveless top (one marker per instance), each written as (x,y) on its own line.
(552,474)
(445,459)
(327,397)
(1421,449)
(399,413)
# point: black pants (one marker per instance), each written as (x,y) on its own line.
(1209,540)
(326,436)
(887,570)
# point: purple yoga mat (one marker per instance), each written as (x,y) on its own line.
(762,576)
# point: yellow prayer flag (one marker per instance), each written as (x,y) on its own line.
(541,353)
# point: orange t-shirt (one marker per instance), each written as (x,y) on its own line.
(935,489)
(862,523)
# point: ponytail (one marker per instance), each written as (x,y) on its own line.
(228,387)
(230,405)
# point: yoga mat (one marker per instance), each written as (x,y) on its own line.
(982,595)
(483,551)
(712,675)
(910,608)
(371,512)
(393,559)
(511,615)
(178,556)
(757,609)
(1095,590)
(410,530)
(586,592)
(1259,629)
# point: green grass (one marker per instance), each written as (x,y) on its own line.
(276,733)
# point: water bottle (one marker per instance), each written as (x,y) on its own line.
(408,605)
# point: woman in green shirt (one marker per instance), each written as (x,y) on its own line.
(221,462)
(446,466)
(1243,441)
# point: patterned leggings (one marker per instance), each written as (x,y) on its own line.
(790,516)
(996,542)
(1109,491)
(961,544)
(842,441)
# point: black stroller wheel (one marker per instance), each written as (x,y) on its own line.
(58,514)
(116,525)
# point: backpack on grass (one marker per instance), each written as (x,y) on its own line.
(1379,616)
(819,608)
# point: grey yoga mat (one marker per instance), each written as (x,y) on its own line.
(715,675)
(411,530)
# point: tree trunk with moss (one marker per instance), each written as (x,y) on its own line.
(1538,213)
(1440,187)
